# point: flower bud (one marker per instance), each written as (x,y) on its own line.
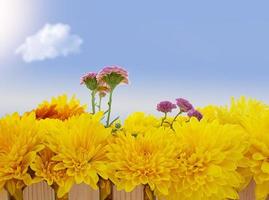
(90,80)
(113,76)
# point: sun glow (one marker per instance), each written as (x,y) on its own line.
(15,18)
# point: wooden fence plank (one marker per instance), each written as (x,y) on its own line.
(83,192)
(39,191)
(248,193)
(42,191)
(136,194)
(4,195)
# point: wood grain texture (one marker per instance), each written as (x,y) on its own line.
(249,192)
(42,191)
(136,194)
(83,192)
(39,191)
(4,195)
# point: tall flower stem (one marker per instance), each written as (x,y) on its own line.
(93,101)
(164,118)
(179,113)
(109,108)
(100,102)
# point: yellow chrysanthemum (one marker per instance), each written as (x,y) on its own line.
(258,154)
(242,112)
(236,112)
(79,147)
(138,123)
(208,155)
(212,112)
(44,165)
(145,159)
(59,108)
(20,140)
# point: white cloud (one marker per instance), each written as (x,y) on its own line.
(51,41)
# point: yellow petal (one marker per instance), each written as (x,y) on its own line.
(265,167)
(59,166)
(214,170)
(258,156)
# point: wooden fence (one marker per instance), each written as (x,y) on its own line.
(42,191)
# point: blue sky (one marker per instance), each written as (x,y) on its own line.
(206,51)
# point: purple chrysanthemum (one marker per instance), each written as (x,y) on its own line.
(166,106)
(195,113)
(184,104)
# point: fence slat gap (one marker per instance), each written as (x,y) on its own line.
(38,191)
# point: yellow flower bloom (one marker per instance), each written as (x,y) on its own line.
(258,154)
(208,155)
(145,159)
(245,113)
(212,112)
(236,112)
(20,140)
(79,147)
(138,123)
(43,166)
(59,108)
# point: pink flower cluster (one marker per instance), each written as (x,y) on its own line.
(109,77)
(184,106)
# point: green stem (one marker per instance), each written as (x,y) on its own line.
(114,121)
(93,102)
(175,119)
(109,108)
(100,102)
(164,118)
